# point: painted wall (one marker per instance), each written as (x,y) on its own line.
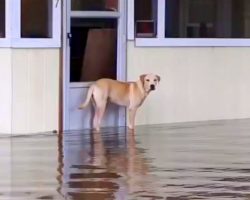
(6,92)
(35,90)
(197,83)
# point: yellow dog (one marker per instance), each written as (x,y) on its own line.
(128,94)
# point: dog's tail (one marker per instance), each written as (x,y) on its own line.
(87,100)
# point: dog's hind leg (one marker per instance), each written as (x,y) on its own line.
(99,112)
(95,120)
(100,101)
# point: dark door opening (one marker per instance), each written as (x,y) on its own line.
(93,52)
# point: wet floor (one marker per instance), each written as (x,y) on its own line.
(176,162)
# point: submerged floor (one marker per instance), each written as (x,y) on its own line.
(176,162)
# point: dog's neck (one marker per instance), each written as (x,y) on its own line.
(141,88)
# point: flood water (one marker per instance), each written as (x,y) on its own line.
(175,162)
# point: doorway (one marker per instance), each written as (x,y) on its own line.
(94,48)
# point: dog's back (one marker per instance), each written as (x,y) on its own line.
(116,91)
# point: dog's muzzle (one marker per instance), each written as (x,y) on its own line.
(152,87)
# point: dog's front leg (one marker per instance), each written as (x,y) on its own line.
(131,120)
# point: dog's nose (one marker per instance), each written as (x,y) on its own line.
(152,87)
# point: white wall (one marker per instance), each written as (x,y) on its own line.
(35,90)
(5,88)
(197,83)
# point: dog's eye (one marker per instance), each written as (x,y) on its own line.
(147,80)
(155,80)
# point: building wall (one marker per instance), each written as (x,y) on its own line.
(35,90)
(6,92)
(197,83)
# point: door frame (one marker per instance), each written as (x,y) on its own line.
(121,17)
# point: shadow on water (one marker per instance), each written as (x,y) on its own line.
(197,162)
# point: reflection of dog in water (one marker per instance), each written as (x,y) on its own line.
(128,94)
(125,158)
(108,167)
(126,161)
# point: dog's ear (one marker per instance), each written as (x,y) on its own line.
(142,77)
(158,78)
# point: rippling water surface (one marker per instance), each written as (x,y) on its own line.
(176,162)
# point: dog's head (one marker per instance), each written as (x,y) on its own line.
(149,81)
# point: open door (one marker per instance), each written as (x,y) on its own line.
(94,48)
